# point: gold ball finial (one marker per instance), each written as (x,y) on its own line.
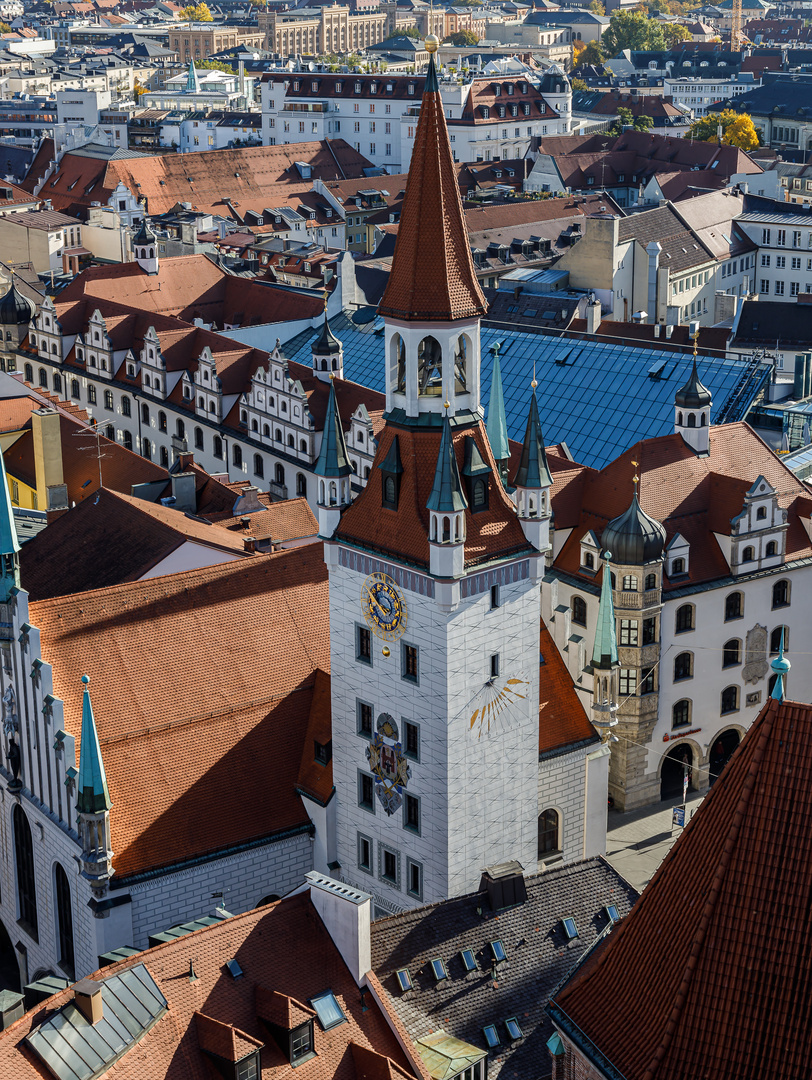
(446,405)
(534,383)
(332,375)
(432,43)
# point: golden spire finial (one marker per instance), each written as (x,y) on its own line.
(635,478)
(696,340)
(332,375)
(534,383)
(326,297)
(446,404)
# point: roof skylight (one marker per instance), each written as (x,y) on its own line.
(328,1010)
(570,929)
(468,961)
(513,1029)
(498,950)
(438,968)
(404,979)
(612,913)
(491,1036)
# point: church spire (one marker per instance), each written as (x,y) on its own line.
(9,544)
(447,505)
(192,83)
(447,496)
(496,425)
(333,468)
(433,276)
(605,661)
(533,482)
(91,786)
(781,668)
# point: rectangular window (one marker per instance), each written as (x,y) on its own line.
(780,261)
(323,752)
(389,865)
(366,792)
(301,1043)
(495,666)
(363,716)
(765,260)
(779,288)
(411,740)
(91,394)
(495,598)
(414,879)
(364,853)
(628,682)
(781,238)
(764,287)
(649,631)
(363,645)
(647,681)
(411,813)
(628,631)
(409,662)
(765,236)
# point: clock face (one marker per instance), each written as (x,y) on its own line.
(496,696)
(384,608)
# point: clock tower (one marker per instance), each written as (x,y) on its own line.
(434,587)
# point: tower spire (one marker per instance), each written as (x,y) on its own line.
(447,505)
(192,83)
(533,481)
(333,468)
(447,496)
(9,544)
(496,425)
(93,803)
(605,661)
(433,276)
(781,668)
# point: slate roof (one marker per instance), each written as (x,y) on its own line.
(773,324)
(538,958)
(256,631)
(708,977)
(784,96)
(112,539)
(285,947)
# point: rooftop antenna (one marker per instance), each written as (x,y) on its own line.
(94,433)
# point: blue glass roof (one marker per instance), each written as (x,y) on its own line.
(595,395)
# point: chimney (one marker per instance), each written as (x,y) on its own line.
(184,491)
(46,429)
(250,544)
(185,461)
(87,994)
(653,251)
(593,315)
(11,1008)
(248,502)
(346,914)
(669,330)
(504,885)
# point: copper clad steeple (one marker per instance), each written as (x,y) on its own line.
(433,276)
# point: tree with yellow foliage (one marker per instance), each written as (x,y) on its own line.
(737,129)
(196,13)
(674,33)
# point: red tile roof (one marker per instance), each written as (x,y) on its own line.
(404,532)
(433,276)
(562,720)
(709,974)
(285,946)
(290,519)
(692,495)
(257,631)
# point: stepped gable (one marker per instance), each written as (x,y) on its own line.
(688,494)
(433,276)
(709,974)
(227,655)
(404,533)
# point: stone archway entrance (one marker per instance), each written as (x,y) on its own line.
(673,771)
(9,967)
(721,752)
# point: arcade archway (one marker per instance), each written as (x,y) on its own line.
(721,752)
(673,771)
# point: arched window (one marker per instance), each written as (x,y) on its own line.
(161,421)
(775,640)
(145,414)
(589,560)
(218,448)
(126,407)
(283,405)
(549,830)
(211,408)
(781,593)
(255,425)
(198,438)
(266,431)
(630,583)
(259,468)
(279,472)
(29,373)
(147,449)
(236,454)
(679,419)
(731,653)
(761,513)
(291,442)
(429,368)
(53,348)
(277,435)
(201,404)
(110,433)
(108,400)
(734,606)
(243,416)
(301,485)
(681,714)
(399,363)
(683,666)
(26,880)
(461,364)
(703,420)
(691,420)
(480,493)
(57,383)
(180,427)
(730,699)
(651,581)
(64,921)
(43,377)
(164,457)
(685,618)
(128,440)
(748,554)
(771,550)
(579,610)
(390,491)
(302,446)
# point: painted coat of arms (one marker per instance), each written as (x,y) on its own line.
(388,764)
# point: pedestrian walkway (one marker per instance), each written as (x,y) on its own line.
(638,841)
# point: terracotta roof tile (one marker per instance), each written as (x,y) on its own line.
(708,976)
(285,946)
(219,715)
(223,1040)
(315,778)
(433,275)
(490,533)
(283,521)
(281,1009)
(562,720)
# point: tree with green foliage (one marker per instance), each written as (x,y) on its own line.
(592,54)
(632,30)
(462,39)
(578,86)
(5,28)
(597,8)
(214,65)
(674,33)
(737,129)
(625,119)
(196,13)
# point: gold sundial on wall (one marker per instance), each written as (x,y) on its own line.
(497,695)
